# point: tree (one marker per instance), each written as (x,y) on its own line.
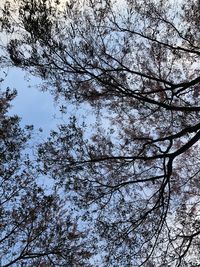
(36,228)
(136,64)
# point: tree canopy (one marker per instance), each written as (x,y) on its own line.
(36,227)
(133,175)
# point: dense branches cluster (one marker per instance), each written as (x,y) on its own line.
(134,175)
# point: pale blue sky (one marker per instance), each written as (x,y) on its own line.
(38,108)
(32,105)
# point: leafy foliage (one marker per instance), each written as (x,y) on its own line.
(135,177)
(36,226)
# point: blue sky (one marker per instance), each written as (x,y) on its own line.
(38,108)
(32,105)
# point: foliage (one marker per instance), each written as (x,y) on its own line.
(36,228)
(136,64)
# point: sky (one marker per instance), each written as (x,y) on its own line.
(38,108)
(32,105)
